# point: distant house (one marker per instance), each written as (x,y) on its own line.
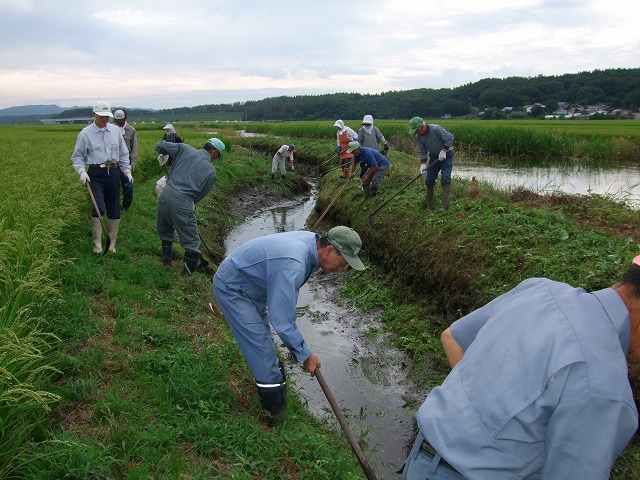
(528,108)
(622,113)
(507,109)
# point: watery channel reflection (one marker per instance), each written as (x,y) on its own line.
(622,183)
(363,374)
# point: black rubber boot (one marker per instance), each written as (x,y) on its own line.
(167,253)
(431,190)
(273,399)
(273,177)
(190,262)
(373,191)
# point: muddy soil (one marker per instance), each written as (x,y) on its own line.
(254,200)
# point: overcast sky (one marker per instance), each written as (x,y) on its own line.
(161,54)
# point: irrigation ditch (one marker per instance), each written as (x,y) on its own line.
(365,374)
(440,267)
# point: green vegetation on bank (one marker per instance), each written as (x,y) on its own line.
(552,142)
(116,367)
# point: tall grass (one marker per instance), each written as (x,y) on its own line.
(605,141)
(110,365)
(32,213)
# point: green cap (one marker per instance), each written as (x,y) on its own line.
(217,144)
(414,124)
(348,243)
(353,146)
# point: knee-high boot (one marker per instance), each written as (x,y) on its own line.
(96,235)
(273,398)
(167,252)
(114,226)
(190,262)
(446,197)
(431,190)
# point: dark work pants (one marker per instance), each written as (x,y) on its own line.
(105,185)
(127,189)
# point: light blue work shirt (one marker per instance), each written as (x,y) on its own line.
(430,144)
(96,146)
(542,389)
(270,271)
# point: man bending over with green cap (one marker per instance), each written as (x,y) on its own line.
(192,177)
(257,288)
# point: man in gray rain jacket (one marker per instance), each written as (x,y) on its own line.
(192,177)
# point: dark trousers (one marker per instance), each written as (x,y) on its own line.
(105,185)
(127,190)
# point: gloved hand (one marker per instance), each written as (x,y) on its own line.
(442,155)
(84,178)
(130,177)
(163,159)
(423,168)
(386,147)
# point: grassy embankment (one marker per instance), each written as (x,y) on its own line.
(443,266)
(151,384)
(113,367)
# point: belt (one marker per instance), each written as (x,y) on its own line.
(104,165)
(431,452)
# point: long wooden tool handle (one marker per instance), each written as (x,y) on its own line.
(368,471)
(331,204)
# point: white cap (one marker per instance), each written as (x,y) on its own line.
(103,109)
(118,114)
(168,125)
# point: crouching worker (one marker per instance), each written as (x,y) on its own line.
(257,288)
(375,166)
(539,387)
(192,177)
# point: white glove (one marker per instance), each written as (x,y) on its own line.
(442,155)
(163,159)
(84,178)
(423,168)
(130,177)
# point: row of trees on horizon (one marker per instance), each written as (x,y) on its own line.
(617,88)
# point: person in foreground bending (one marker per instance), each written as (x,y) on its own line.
(257,288)
(539,387)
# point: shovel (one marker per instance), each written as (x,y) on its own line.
(104,229)
(368,471)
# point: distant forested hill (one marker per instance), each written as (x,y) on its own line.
(617,88)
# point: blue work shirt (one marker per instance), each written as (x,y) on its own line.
(371,157)
(273,269)
(431,143)
(542,389)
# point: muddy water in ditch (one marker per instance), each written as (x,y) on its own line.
(363,373)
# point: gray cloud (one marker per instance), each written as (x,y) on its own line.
(164,53)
